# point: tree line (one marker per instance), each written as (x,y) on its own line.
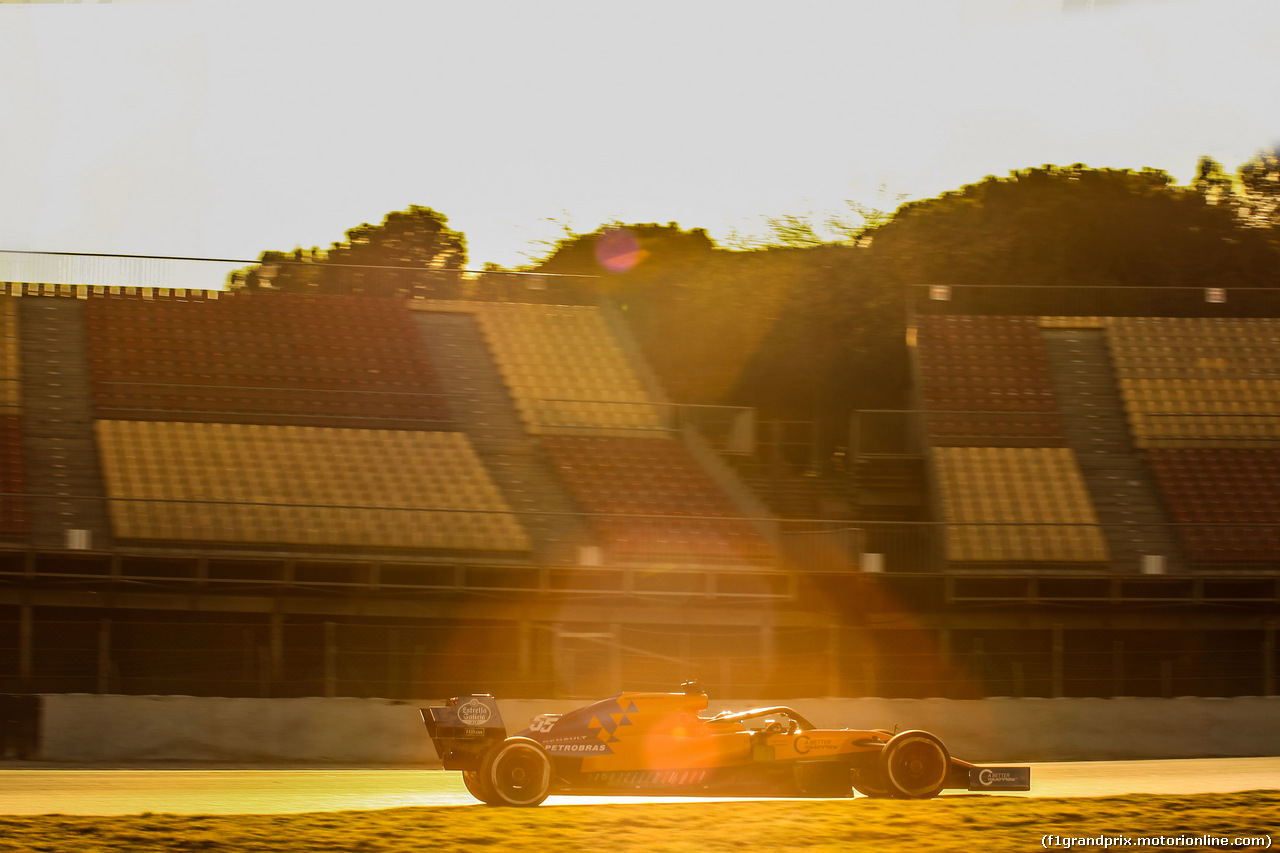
(808,330)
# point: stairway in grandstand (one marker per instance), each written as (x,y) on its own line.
(61,454)
(1094,426)
(1008,485)
(641,491)
(483,408)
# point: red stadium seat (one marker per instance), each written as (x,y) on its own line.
(263,358)
(617,477)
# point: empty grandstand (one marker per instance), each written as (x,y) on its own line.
(273,494)
(13,507)
(268,452)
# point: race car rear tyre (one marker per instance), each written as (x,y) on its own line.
(518,772)
(915,765)
(476,786)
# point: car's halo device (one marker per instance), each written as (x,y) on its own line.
(667,744)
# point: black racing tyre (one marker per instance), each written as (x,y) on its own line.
(517,772)
(477,787)
(915,765)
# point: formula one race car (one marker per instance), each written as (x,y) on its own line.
(666,744)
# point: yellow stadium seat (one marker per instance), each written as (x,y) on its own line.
(1015,490)
(288,468)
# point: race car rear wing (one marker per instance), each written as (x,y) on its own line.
(464,729)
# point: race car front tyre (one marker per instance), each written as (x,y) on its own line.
(476,786)
(518,772)
(915,765)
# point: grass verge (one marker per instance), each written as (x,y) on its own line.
(946,824)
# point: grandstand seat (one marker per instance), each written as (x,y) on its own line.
(296,485)
(651,500)
(13,503)
(274,358)
(1198,382)
(1225,500)
(985,381)
(565,372)
(1006,504)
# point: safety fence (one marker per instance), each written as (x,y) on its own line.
(207,654)
(218,529)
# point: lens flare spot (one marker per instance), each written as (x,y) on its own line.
(618,250)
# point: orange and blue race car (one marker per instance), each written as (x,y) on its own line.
(666,744)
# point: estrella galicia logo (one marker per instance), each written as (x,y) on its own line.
(474,713)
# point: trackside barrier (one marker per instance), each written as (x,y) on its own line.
(90,728)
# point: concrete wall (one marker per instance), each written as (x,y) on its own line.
(1071,729)
(95,728)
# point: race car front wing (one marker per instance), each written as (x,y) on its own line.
(999,778)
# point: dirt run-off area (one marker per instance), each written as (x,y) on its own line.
(990,823)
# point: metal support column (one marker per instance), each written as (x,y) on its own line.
(276,651)
(524,650)
(945,671)
(834,680)
(686,663)
(869,657)
(978,665)
(26,637)
(615,655)
(1269,659)
(1117,668)
(330,660)
(768,650)
(560,678)
(394,688)
(104,656)
(1057,687)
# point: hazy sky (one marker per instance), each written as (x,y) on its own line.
(223,128)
